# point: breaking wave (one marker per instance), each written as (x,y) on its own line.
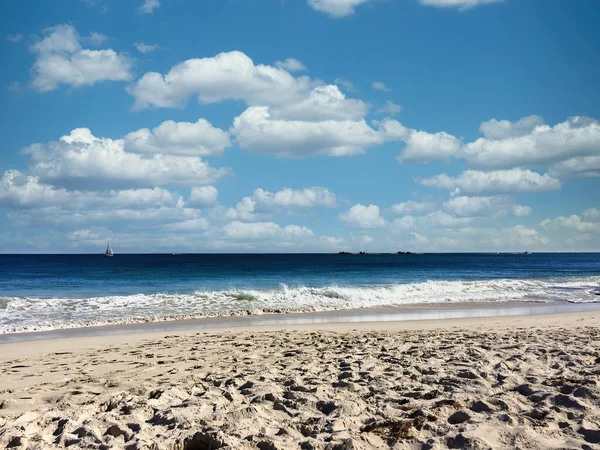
(24,314)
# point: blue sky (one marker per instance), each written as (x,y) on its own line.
(305,125)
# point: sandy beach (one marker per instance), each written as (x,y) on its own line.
(503,382)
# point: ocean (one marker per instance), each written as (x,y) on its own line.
(49,292)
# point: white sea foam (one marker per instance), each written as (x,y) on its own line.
(36,314)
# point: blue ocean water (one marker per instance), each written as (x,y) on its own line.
(60,291)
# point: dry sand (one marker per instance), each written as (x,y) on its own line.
(518,382)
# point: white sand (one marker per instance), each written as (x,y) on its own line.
(516,382)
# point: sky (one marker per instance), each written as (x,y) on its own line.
(299,126)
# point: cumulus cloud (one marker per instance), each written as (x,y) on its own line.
(26,191)
(291,65)
(531,143)
(390,108)
(179,138)
(82,159)
(227,76)
(60,59)
(363,217)
(378,85)
(20,190)
(503,129)
(464,206)
(583,167)
(97,38)
(322,103)
(287,116)
(312,197)
(145,48)
(588,222)
(336,8)
(262,202)
(203,196)
(460,4)
(518,237)
(565,148)
(477,183)
(592,214)
(148,6)
(413,208)
(264,230)
(521,211)
(257,131)
(422,146)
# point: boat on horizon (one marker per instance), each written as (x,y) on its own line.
(109,250)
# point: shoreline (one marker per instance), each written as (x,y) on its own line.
(403,313)
(410,317)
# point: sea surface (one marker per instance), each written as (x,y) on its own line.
(46,292)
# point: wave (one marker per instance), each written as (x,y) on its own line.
(25,314)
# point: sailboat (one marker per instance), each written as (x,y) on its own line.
(108,251)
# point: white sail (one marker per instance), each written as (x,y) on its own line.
(109,251)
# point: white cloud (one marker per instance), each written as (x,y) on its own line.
(145,48)
(16,38)
(517,237)
(244,211)
(585,166)
(323,103)
(461,4)
(586,223)
(411,208)
(534,144)
(503,129)
(346,84)
(422,146)
(463,206)
(203,196)
(61,60)
(80,158)
(378,85)
(97,38)
(569,149)
(440,219)
(19,190)
(227,76)
(179,138)
(255,130)
(404,223)
(26,191)
(197,224)
(521,211)
(148,6)
(419,239)
(390,108)
(262,202)
(313,197)
(336,8)
(332,241)
(592,214)
(363,217)
(291,65)
(264,230)
(472,182)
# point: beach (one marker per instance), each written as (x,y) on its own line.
(474,382)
